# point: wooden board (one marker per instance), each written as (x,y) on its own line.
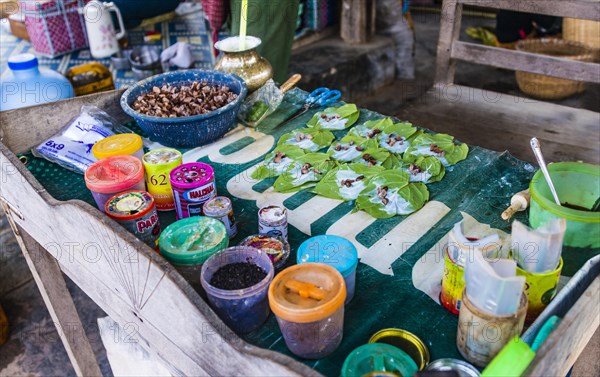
(482,118)
(525,61)
(586,9)
(555,357)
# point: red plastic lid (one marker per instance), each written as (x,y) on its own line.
(191,175)
(114,174)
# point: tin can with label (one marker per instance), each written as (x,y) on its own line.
(463,368)
(193,185)
(220,208)
(136,212)
(272,221)
(453,283)
(158,164)
(407,342)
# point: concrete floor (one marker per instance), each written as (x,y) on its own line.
(34,348)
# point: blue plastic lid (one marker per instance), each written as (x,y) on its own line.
(335,251)
(22,61)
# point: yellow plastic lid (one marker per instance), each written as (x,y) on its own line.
(307,292)
(121,144)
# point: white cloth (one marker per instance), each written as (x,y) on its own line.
(179,55)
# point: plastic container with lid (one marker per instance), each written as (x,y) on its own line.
(377,359)
(338,252)
(26,84)
(121,144)
(136,212)
(308,301)
(188,243)
(244,309)
(113,175)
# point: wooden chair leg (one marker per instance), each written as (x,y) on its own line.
(449,32)
(51,283)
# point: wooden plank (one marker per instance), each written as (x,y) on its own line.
(353,25)
(449,33)
(58,300)
(133,284)
(561,349)
(586,9)
(505,122)
(525,61)
(315,36)
(22,130)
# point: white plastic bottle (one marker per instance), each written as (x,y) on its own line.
(26,84)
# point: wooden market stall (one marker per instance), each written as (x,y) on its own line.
(136,286)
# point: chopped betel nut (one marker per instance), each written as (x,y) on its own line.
(170,101)
(434,148)
(278,157)
(414,169)
(371,161)
(301,136)
(374,132)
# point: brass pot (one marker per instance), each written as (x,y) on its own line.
(247,63)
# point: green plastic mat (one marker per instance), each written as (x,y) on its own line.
(481,186)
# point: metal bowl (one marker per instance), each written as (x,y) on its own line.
(192,131)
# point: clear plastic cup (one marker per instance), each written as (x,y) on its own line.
(338,252)
(113,175)
(308,301)
(243,310)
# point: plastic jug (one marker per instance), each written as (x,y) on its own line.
(27,84)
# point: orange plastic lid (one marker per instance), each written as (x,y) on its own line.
(114,174)
(307,292)
(121,144)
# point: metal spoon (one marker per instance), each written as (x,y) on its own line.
(537,151)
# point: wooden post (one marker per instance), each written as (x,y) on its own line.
(358,20)
(449,33)
(51,283)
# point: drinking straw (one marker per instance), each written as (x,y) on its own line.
(243,21)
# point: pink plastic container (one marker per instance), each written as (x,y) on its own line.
(113,175)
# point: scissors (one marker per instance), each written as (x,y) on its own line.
(317,98)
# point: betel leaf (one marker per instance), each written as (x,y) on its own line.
(371,128)
(304,172)
(389,194)
(309,139)
(350,148)
(346,182)
(441,146)
(378,157)
(396,137)
(426,169)
(335,118)
(277,161)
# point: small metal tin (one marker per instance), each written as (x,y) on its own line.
(158,164)
(220,208)
(136,212)
(193,185)
(272,221)
(276,248)
(406,341)
(462,368)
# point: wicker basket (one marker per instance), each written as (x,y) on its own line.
(547,87)
(586,32)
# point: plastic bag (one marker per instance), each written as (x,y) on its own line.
(71,148)
(538,250)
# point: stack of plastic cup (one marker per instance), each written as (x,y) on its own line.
(308,301)
(243,310)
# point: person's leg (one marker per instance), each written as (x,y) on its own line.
(274,22)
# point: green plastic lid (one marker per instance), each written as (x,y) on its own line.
(378,357)
(193,240)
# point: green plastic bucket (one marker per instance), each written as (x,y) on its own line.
(577,184)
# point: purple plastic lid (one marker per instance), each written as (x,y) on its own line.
(191,175)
